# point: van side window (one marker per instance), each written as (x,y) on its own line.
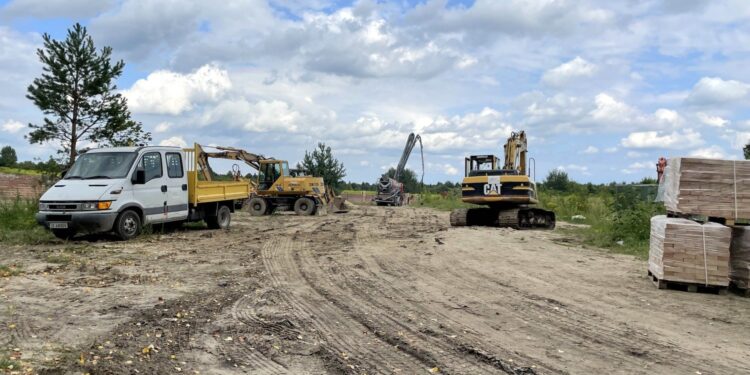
(174,165)
(151,164)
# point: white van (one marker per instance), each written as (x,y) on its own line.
(121,189)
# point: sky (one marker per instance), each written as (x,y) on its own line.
(602,88)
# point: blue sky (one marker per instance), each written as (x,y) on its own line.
(602,88)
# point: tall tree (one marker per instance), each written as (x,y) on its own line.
(76,93)
(746,151)
(8,157)
(321,163)
(557,179)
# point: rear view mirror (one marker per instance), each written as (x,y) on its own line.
(139,178)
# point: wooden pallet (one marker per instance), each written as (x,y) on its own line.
(687,287)
(728,221)
(744,292)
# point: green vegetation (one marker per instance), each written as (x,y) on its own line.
(617,217)
(358,192)
(444,202)
(321,163)
(9,365)
(18,224)
(11,170)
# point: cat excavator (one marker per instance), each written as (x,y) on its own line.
(506,190)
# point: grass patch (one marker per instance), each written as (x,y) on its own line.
(358,192)
(28,172)
(8,271)
(9,365)
(18,223)
(59,258)
(445,202)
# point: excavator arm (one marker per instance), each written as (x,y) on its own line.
(229,153)
(515,152)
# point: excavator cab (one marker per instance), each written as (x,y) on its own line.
(270,172)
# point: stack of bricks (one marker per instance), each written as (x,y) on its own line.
(689,252)
(708,187)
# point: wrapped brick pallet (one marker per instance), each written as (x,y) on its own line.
(685,251)
(740,258)
(709,187)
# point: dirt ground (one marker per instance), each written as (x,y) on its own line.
(374,291)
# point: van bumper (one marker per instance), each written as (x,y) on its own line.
(92,222)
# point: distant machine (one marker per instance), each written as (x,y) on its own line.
(390,189)
(506,190)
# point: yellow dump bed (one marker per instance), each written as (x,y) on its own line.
(212,191)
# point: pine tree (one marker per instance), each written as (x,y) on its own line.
(77,95)
(321,163)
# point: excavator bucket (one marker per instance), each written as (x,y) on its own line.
(338,205)
(334,203)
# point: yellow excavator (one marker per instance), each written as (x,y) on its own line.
(277,187)
(507,192)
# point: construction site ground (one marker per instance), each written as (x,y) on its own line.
(377,290)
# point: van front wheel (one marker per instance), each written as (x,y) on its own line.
(128,225)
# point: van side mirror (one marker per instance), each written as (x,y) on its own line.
(63,173)
(139,178)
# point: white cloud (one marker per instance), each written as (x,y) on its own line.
(635,154)
(713,90)
(610,150)
(611,110)
(162,127)
(668,117)
(591,150)
(174,141)
(260,116)
(712,152)
(582,169)
(709,120)
(654,139)
(571,70)
(12,126)
(166,92)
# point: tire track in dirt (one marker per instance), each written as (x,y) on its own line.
(384,295)
(574,328)
(573,325)
(350,342)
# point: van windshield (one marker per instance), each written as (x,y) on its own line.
(97,165)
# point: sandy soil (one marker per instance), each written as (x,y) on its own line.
(373,291)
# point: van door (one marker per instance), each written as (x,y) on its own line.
(177,188)
(152,195)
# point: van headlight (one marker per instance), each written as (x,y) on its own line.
(88,206)
(43,206)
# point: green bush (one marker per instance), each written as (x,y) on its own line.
(18,224)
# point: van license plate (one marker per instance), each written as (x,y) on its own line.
(58,225)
